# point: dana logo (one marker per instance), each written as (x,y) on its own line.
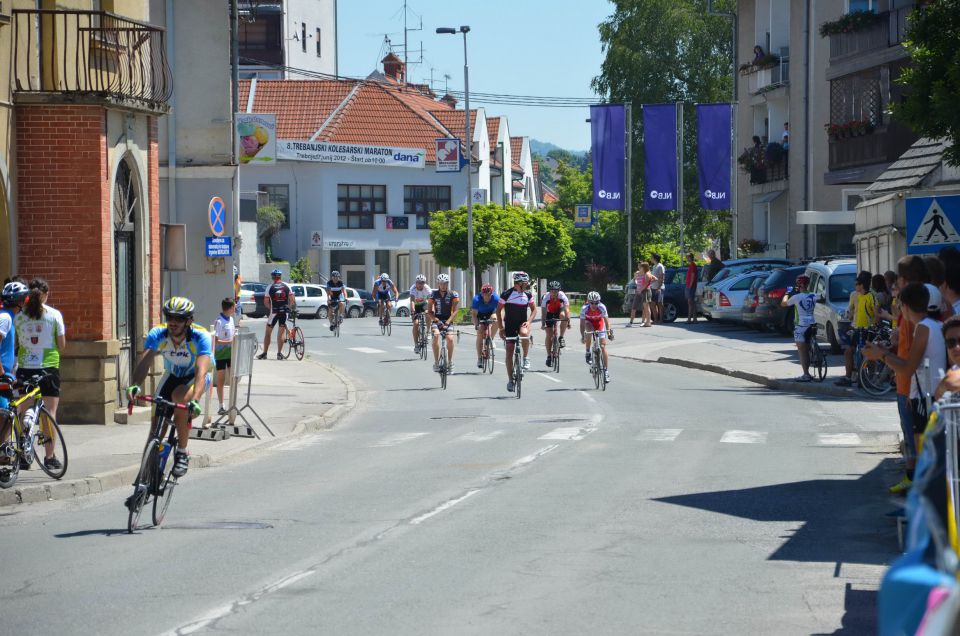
(399,156)
(661,196)
(612,196)
(716,196)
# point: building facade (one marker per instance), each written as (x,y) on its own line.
(288,39)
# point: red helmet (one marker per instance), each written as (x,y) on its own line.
(486,287)
(803,280)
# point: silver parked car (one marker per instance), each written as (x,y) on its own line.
(832,280)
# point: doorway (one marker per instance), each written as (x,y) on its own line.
(354,275)
(125,203)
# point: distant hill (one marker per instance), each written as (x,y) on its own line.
(544,148)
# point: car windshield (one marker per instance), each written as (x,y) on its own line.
(840,287)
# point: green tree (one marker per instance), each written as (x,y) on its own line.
(574,186)
(270,219)
(499,233)
(549,251)
(300,271)
(933,79)
(659,51)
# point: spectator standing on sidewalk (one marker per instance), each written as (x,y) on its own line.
(878,285)
(923,362)
(713,267)
(224,330)
(804,302)
(863,309)
(950,288)
(646,295)
(637,298)
(951,337)
(656,288)
(690,288)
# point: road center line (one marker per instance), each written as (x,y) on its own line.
(589,397)
(548,377)
(444,506)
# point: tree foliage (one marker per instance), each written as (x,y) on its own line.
(270,219)
(549,250)
(933,80)
(659,51)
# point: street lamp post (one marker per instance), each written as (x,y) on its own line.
(469,144)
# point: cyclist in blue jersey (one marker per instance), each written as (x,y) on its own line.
(336,298)
(442,312)
(13,295)
(186,350)
(385,289)
(484,307)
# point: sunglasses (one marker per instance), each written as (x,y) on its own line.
(952,342)
(175,320)
(594,302)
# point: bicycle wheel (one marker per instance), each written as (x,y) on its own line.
(389,327)
(299,346)
(819,362)
(164,483)
(10,472)
(142,484)
(556,355)
(383,327)
(443,365)
(287,346)
(423,347)
(875,378)
(518,373)
(48,430)
(596,369)
(337,320)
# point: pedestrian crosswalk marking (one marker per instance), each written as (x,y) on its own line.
(940,230)
(476,436)
(744,437)
(365,350)
(659,434)
(570,433)
(399,438)
(838,439)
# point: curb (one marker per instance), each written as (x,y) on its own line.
(810,388)
(121,477)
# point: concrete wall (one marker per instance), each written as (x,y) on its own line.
(316,14)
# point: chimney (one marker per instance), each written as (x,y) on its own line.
(449,100)
(393,67)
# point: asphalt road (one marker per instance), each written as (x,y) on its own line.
(675,502)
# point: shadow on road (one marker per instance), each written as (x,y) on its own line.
(106,532)
(860,613)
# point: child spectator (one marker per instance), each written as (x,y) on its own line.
(224,330)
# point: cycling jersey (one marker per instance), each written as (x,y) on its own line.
(180,360)
(335,289)
(280,294)
(805,303)
(8,336)
(383,288)
(595,315)
(38,339)
(443,303)
(516,303)
(485,307)
(553,306)
(419,297)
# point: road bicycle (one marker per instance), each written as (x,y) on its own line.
(555,344)
(386,325)
(31,432)
(295,342)
(487,353)
(876,378)
(597,368)
(336,318)
(421,319)
(818,359)
(155,481)
(443,366)
(518,372)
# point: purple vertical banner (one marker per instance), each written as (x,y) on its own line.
(713,155)
(660,156)
(607,144)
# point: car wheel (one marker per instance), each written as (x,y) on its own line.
(670,312)
(786,327)
(368,312)
(354,312)
(322,311)
(832,339)
(403,312)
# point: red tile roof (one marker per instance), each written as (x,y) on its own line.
(549,197)
(301,106)
(536,170)
(493,130)
(516,148)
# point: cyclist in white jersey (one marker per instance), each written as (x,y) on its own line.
(804,302)
(385,290)
(420,293)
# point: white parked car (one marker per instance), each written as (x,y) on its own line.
(401,307)
(310,298)
(724,300)
(354,303)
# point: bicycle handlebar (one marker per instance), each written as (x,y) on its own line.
(32,382)
(155,400)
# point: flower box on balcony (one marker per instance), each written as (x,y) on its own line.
(765,61)
(849,23)
(852,128)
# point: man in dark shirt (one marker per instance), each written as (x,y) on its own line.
(713,267)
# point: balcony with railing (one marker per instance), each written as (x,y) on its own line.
(767,78)
(89,56)
(884,145)
(888,30)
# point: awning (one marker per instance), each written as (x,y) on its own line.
(768,197)
(826,217)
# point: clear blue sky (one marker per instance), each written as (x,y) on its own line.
(517,47)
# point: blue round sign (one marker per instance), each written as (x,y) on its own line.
(217,216)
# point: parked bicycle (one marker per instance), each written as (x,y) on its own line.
(487,353)
(33,434)
(818,359)
(876,378)
(155,481)
(295,342)
(518,372)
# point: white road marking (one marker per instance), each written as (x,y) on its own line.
(298,443)
(529,459)
(660,434)
(547,376)
(838,439)
(744,437)
(399,438)
(589,397)
(571,433)
(366,350)
(481,437)
(444,506)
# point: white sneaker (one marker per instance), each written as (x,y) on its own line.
(606,376)
(526,363)
(436,367)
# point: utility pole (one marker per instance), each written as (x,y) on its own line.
(734,234)
(680,170)
(628,180)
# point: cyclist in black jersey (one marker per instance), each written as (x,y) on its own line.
(279,300)
(336,295)
(442,312)
(516,311)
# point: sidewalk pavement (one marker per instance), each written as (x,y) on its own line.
(292,397)
(728,349)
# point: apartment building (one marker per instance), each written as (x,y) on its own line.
(287,39)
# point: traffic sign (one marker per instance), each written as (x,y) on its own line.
(932,223)
(219,246)
(217,216)
(584,216)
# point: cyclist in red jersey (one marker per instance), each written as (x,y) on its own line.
(556,309)
(594,318)
(279,300)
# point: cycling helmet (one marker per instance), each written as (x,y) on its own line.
(384,276)
(421,278)
(276,272)
(802,280)
(554,284)
(443,278)
(486,287)
(521,277)
(178,306)
(593,297)
(334,274)
(14,291)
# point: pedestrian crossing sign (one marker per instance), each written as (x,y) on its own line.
(932,223)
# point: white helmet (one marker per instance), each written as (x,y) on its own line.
(443,278)
(593,297)
(421,278)
(384,276)
(521,277)
(14,291)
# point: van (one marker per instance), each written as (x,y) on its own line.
(833,280)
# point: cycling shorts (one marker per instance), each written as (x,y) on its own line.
(550,318)
(383,295)
(278,317)
(172,383)
(49,385)
(511,328)
(801,334)
(484,315)
(590,327)
(440,319)
(223,365)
